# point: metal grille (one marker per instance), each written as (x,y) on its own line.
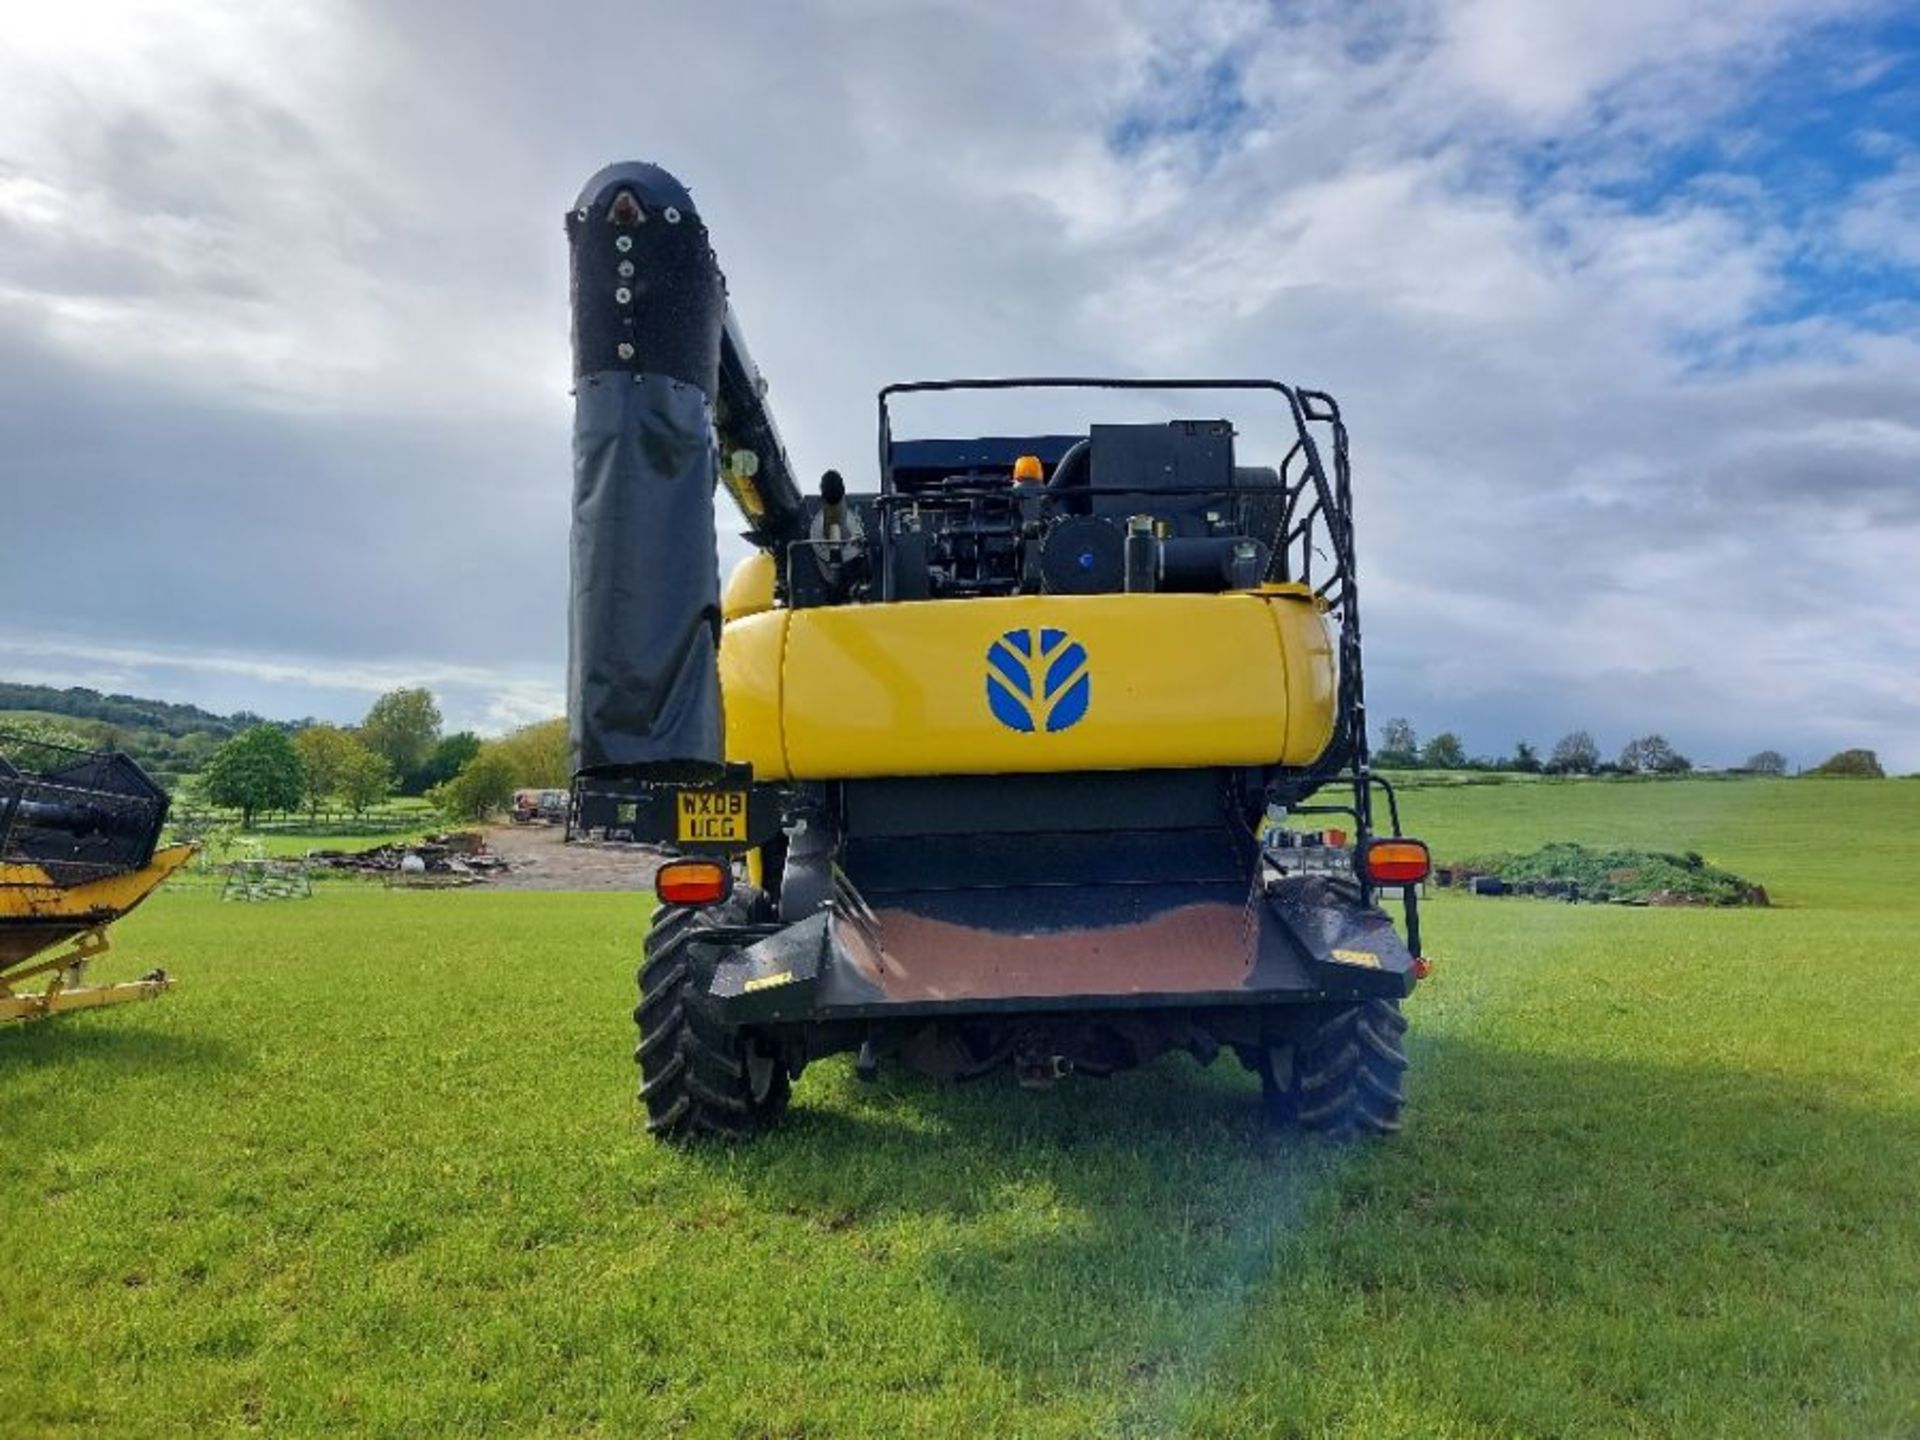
(77,815)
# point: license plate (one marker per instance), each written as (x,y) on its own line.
(713,816)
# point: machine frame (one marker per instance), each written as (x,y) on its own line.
(872,853)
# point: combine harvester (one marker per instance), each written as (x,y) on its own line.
(78,849)
(981,770)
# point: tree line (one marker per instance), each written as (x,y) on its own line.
(124,711)
(167,740)
(1577,753)
(399,747)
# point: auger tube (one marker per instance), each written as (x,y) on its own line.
(667,403)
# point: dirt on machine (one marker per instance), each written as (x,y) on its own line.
(998,764)
(79,847)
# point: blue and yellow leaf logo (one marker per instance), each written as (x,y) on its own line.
(1038,680)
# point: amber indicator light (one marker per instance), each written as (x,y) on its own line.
(1398,862)
(693,882)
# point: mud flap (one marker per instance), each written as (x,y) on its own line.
(775,979)
(1351,949)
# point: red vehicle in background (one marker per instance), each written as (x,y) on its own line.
(545,806)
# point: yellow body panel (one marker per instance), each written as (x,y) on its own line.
(26,891)
(749,588)
(751,655)
(1170,681)
(1306,640)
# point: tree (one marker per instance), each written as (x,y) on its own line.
(447,758)
(325,752)
(485,784)
(1444,752)
(256,770)
(1526,759)
(24,740)
(1766,762)
(366,779)
(1852,764)
(534,757)
(403,727)
(538,755)
(196,746)
(1652,755)
(1399,745)
(1574,754)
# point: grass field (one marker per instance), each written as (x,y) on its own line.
(375,1169)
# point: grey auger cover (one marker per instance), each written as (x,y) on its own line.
(643,678)
(648,305)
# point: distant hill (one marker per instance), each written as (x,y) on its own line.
(168,740)
(129,710)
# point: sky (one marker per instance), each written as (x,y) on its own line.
(1619,300)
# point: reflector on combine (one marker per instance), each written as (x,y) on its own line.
(79,848)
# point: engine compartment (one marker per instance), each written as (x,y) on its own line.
(1123,508)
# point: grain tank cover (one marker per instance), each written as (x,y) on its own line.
(649,305)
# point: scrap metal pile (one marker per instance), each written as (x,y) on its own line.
(459,857)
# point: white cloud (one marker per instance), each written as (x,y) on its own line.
(1547,64)
(225,192)
(1591,476)
(1882,222)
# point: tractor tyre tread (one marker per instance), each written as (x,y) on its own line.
(1343,1079)
(695,1080)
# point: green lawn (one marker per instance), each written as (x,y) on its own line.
(375,1168)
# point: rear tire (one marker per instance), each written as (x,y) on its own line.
(1342,1076)
(699,1077)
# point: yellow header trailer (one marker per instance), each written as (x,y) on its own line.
(79,848)
(37,915)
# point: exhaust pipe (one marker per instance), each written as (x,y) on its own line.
(649,305)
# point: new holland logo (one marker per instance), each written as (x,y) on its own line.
(1038,680)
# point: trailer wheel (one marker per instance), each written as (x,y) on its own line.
(1341,1076)
(697,1076)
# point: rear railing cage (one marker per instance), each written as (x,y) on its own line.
(1312,546)
(74,814)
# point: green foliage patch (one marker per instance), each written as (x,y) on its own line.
(1851,764)
(1628,875)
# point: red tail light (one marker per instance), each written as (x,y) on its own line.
(1397,862)
(693,882)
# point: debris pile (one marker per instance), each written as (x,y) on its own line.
(1570,872)
(459,857)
